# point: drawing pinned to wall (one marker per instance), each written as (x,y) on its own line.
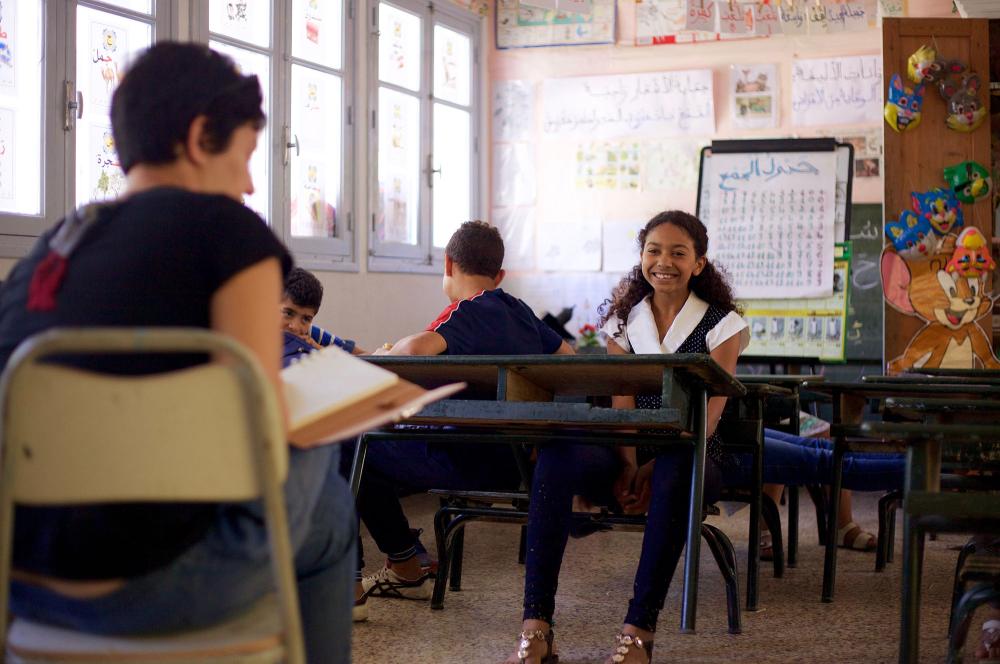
(519,26)
(793,18)
(517,227)
(608,165)
(677,103)
(755,96)
(700,15)
(569,246)
(584,292)
(7,183)
(513,110)
(109,180)
(621,245)
(108,47)
(734,18)
(314,216)
(670,165)
(893,8)
(765,19)
(247,20)
(831,91)
(867,150)
(8,21)
(513,174)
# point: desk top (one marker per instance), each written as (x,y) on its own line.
(874,390)
(942,379)
(784,380)
(960,373)
(568,375)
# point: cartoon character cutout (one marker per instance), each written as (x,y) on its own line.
(921,64)
(941,208)
(972,258)
(912,235)
(965,111)
(948,303)
(969,180)
(902,111)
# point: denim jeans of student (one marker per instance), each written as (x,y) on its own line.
(402,467)
(565,470)
(230,568)
(796,461)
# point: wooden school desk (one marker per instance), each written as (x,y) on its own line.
(849,399)
(522,406)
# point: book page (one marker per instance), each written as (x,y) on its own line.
(329,380)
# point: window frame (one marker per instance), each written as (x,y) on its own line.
(423,258)
(19,232)
(340,252)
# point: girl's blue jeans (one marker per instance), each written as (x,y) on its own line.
(230,568)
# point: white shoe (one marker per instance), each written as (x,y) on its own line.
(360,611)
(386,583)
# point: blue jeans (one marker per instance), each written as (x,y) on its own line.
(564,470)
(395,467)
(796,461)
(230,568)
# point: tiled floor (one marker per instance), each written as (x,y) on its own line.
(479,623)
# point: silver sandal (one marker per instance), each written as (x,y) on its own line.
(625,643)
(525,641)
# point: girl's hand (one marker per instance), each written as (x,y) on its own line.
(638,502)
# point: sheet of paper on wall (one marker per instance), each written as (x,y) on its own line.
(670,165)
(621,248)
(755,96)
(832,91)
(701,15)
(664,22)
(513,110)
(608,165)
(777,212)
(540,4)
(792,17)
(585,292)
(569,246)
(517,227)
(765,20)
(519,25)
(893,8)
(513,174)
(734,19)
(677,103)
(853,16)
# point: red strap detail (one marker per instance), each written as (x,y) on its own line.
(45,282)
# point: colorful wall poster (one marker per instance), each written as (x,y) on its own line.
(755,96)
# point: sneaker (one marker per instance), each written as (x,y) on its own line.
(386,583)
(360,611)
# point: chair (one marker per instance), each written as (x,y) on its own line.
(224,449)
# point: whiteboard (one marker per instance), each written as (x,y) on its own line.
(782,204)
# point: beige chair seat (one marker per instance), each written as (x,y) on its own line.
(253,636)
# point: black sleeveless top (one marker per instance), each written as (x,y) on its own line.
(695,343)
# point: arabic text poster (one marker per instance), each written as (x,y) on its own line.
(755,96)
(776,212)
(6,154)
(8,21)
(676,103)
(108,47)
(107,179)
(835,91)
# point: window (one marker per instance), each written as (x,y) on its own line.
(59,64)
(424,132)
(298,50)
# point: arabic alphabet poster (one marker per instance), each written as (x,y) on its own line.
(835,91)
(107,179)
(108,48)
(513,110)
(8,21)
(6,155)
(777,212)
(519,25)
(755,96)
(676,103)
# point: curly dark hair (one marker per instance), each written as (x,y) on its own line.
(303,289)
(711,284)
(476,248)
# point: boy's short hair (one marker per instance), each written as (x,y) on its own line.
(304,289)
(166,88)
(477,249)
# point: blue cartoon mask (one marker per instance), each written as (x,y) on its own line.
(912,235)
(941,208)
(902,111)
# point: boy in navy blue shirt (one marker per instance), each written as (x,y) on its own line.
(300,303)
(481,320)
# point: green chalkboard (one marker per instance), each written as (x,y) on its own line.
(864,308)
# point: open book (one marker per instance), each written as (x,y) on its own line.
(332,395)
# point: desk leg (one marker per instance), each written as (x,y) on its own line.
(913,558)
(358,465)
(830,559)
(793,525)
(689,601)
(753,552)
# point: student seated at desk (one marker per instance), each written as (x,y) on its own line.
(673,301)
(299,305)
(179,249)
(481,320)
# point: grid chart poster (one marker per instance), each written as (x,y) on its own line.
(663,104)
(519,25)
(772,216)
(812,327)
